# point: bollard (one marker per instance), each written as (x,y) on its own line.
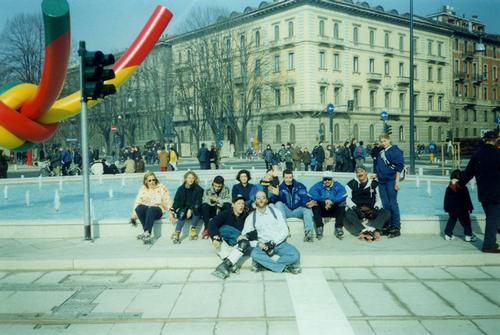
(57,201)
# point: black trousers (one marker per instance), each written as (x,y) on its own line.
(337,211)
(354,225)
(464,219)
(148,215)
(208,212)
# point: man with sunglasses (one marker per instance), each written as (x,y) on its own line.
(329,197)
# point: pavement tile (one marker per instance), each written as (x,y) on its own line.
(269,275)
(191,328)
(188,304)
(282,328)
(494,271)
(330,274)
(249,301)
(245,275)
(114,300)
(169,276)
(430,273)
(21,277)
(361,328)
(95,279)
(463,298)
(138,276)
(467,272)
(243,327)
(374,299)
(490,289)
(418,298)
(20,329)
(393,273)
(489,327)
(354,274)
(2,274)
(55,277)
(136,328)
(345,301)
(203,275)
(455,327)
(278,300)
(33,301)
(87,329)
(5,295)
(406,327)
(155,303)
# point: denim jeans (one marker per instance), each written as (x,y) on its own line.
(287,253)
(148,215)
(389,197)
(194,222)
(229,234)
(301,213)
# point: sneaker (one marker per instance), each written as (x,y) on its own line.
(339,233)
(256,267)
(319,233)
(148,239)
(293,269)
(204,235)
(470,238)
(394,232)
(193,234)
(385,230)
(176,237)
(308,236)
(222,271)
(141,236)
(451,237)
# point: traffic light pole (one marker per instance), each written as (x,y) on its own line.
(85,149)
(331,132)
(412,102)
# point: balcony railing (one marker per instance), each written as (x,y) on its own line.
(478,78)
(459,76)
(403,80)
(373,77)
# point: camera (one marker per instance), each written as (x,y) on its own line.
(270,248)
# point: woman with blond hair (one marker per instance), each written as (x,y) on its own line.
(187,206)
(152,201)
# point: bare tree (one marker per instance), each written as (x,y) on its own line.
(200,17)
(21,48)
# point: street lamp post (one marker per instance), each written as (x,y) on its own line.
(330,108)
(412,103)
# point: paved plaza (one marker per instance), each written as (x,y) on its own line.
(119,286)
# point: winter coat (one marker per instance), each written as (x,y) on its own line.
(268,155)
(306,157)
(457,200)
(298,197)
(224,196)
(395,163)
(336,193)
(248,192)
(225,218)
(188,198)
(319,153)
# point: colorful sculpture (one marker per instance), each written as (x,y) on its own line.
(29,114)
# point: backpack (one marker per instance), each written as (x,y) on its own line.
(254,215)
(359,152)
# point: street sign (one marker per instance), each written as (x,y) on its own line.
(114,128)
(69,139)
(384,115)
(498,119)
(330,108)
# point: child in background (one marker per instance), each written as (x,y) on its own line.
(458,205)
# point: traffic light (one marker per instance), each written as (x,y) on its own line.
(95,74)
(387,129)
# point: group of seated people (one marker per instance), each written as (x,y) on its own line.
(251,220)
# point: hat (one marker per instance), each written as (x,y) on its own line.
(327,175)
(361,167)
(238,197)
(490,135)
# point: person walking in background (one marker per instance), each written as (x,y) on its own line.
(203,157)
(360,154)
(296,157)
(485,166)
(129,165)
(319,153)
(458,205)
(306,159)
(268,157)
(163,157)
(139,164)
(174,157)
(374,155)
(213,159)
(4,164)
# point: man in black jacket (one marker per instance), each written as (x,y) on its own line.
(485,166)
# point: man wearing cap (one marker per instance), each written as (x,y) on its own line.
(485,166)
(363,202)
(215,199)
(224,230)
(329,197)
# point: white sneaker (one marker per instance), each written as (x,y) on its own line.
(449,238)
(470,238)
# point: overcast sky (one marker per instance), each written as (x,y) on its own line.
(111,25)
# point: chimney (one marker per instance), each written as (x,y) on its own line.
(474,17)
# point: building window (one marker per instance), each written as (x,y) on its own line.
(415,133)
(455,66)
(429,73)
(440,104)
(290,29)
(494,72)
(401,43)
(474,132)
(372,133)
(415,102)
(493,94)
(455,44)
(336,132)
(485,71)
(371,65)
(257,67)
(372,99)
(430,99)
(457,115)
(336,61)
(440,49)
(355,64)
(243,42)
(336,95)
(336,30)
(474,116)
(276,63)
(466,115)
(258,99)
(401,102)
(372,38)
(277,97)
(321,28)
(180,57)
(401,69)
(386,68)
(291,95)
(457,132)
(415,72)
(485,116)
(466,132)
(386,40)
(440,134)
(356,97)
(278,134)
(415,43)
(429,48)
(401,133)
(466,91)
(292,133)
(276,33)
(429,133)
(355,36)
(485,93)
(257,38)
(322,62)
(387,100)
(322,94)
(189,56)
(291,65)
(440,75)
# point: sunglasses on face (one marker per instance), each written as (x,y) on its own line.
(151,180)
(327,179)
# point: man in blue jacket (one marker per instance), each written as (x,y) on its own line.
(329,197)
(390,164)
(292,200)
